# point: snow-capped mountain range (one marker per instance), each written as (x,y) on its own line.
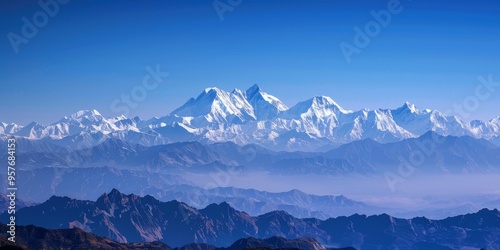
(254,116)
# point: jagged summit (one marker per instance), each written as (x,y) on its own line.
(82,116)
(253,90)
(265,106)
(145,219)
(210,89)
(214,105)
(318,107)
(85,113)
(327,102)
(256,117)
(409,107)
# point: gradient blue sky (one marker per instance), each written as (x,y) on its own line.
(92,52)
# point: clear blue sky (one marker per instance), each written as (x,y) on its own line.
(92,52)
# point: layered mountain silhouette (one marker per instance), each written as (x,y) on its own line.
(130,218)
(5,203)
(32,237)
(89,183)
(432,152)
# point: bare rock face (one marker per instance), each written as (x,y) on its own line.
(131,218)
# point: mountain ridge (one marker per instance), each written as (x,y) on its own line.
(116,216)
(255,117)
(442,154)
(32,237)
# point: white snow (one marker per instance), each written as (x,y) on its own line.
(254,116)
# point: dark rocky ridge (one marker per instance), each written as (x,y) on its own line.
(32,237)
(130,218)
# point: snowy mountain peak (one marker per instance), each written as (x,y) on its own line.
(254,116)
(253,90)
(210,89)
(92,115)
(214,105)
(33,124)
(325,102)
(495,124)
(239,92)
(265,106)
(410,107)
(33,130)
(123,117)
(11,128)
(318,106)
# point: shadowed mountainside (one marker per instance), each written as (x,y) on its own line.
(32,237)
(441,154)
(130,218)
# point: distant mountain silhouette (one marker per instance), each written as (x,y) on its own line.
(130,218)
(441,154)
(32,237)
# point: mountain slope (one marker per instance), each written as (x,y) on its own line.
(431,152)
(436,154)
(88,183)
(265,106)
(5,203)
(496,141)
(129,218)
(276,243)
(214,105)
(32,237)
(255,117)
